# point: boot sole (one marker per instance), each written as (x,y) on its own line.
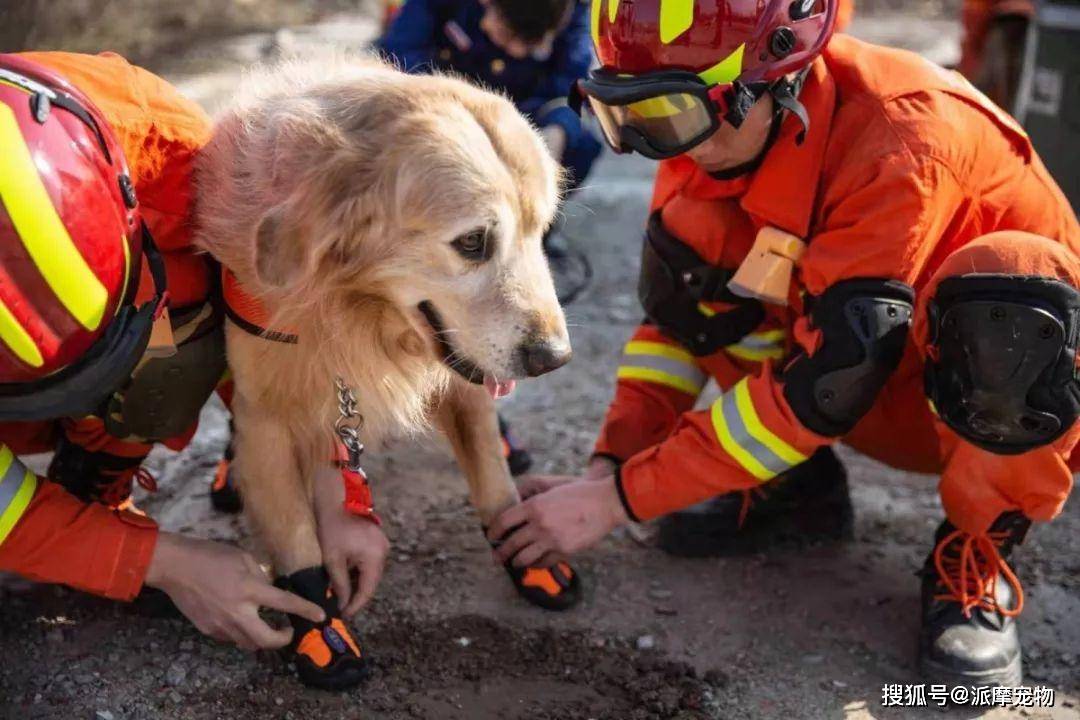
(1010,676)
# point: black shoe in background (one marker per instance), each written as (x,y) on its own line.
(808,504)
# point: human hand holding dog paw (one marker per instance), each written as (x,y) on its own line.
(600,468)
(566,519)
(220,589)
(349,543)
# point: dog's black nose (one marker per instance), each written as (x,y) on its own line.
(543,357)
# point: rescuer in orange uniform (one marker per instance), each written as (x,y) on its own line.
(858,246)
(98,360)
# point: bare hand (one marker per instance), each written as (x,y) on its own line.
(536,484)
(220,589)
(566,519)
(349,543)
(600,468)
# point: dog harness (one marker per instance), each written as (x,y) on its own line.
(249,314)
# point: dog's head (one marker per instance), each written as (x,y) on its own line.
(418,200)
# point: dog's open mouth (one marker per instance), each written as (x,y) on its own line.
(458,361)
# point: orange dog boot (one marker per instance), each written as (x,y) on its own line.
(326,655)
(555,588)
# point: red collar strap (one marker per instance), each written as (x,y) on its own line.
(248,312)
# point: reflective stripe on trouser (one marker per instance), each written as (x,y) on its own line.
(17,488)
(755,347)
(661,364)
(746,439)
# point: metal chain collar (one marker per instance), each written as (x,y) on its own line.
(349,423)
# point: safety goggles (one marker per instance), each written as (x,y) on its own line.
(665,114)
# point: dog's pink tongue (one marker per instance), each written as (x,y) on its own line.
(498,388)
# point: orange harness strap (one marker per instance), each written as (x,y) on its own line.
(248,312)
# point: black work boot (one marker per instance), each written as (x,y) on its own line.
(807,504)
(326,654)
(98,476)
(970,601)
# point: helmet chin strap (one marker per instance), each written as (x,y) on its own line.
(785,93)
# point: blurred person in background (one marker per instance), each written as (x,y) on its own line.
(531,50)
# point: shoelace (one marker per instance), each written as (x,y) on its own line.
(118,492)
(971,575)
(748,502)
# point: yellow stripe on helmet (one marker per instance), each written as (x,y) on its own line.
(596,8)
(42,231)
(612,10)
(14,335)
(676,17)
(727,70)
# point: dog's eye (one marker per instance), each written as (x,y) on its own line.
(475,244)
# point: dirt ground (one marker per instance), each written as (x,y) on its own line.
(810,634)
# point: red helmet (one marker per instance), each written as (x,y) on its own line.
(71,248)
(756,39)
(670,69)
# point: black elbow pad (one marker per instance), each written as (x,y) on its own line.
(864,325)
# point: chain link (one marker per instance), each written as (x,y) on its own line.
(349,423)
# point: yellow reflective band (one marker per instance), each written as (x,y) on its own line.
(659,377)
(14,335)
(612,10)
(13,510)
(727,70)
(732,448)
(643,347)
(42,232)
(662,106)
(758,430)
(596,8)
(755,354)
(676,17)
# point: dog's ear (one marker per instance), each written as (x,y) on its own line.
(279,251)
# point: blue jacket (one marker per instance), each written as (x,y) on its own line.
(446,34)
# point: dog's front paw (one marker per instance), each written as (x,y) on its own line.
(326,654)
(556,588)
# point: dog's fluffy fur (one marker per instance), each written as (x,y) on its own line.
(334,189)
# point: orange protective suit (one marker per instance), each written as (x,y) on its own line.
(56,538)
(905,166)
(845,14)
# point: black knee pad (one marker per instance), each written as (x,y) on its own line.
(1002,372)
(864,325)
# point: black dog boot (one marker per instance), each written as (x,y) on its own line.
(970,601)
(808,504)
(326,655)
(556,588)
(224,495)
(516,454)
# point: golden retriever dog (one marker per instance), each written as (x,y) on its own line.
(393,224)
